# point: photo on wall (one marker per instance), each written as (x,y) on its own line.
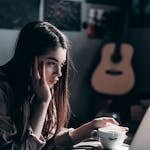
(16,13)
(65,15)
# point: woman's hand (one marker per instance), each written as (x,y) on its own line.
(43,96)
(106,122)
(41,88)
(85,130)
(103,122)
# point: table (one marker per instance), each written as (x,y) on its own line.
(94,145)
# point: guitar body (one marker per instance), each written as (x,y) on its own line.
(114,78)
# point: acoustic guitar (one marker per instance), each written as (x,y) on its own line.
(114,74)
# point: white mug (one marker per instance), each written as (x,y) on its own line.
(110,137)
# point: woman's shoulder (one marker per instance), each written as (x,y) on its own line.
(6,95)
(5,89)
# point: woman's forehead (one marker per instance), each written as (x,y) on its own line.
(58,54)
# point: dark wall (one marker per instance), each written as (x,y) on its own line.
(141,43)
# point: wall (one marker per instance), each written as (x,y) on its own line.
(7,42)
(140,39)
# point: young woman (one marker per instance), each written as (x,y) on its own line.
(34,103)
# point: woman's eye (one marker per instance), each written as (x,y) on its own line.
(55,64)
(50,63)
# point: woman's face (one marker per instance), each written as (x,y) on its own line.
(53,61)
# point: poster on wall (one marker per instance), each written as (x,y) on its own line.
(16,13)
(66,15)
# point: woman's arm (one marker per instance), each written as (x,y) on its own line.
(66,138)
(62,141)
(8,130)
(39,111)
(43,96)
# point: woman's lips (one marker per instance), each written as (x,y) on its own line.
(53,82)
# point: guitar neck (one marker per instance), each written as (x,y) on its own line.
(120,35)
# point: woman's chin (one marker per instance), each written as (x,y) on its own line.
(51,85)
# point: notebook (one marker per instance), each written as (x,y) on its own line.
(141,140)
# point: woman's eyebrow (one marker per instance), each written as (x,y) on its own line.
(51,58)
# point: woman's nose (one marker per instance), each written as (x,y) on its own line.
(59,73)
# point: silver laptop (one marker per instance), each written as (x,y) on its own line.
(141,140)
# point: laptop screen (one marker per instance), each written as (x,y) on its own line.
(141,140)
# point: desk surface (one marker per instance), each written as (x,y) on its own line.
(94,145)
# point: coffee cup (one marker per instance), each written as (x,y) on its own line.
(111,137)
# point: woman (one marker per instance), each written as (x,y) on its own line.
(34,105)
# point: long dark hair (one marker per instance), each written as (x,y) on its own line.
(36,38)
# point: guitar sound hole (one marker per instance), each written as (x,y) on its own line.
(113,72)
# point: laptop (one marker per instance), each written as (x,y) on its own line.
(141,140)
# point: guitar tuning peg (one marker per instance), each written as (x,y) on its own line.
(99,13)
(90,27)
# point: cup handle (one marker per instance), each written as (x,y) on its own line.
(94,135)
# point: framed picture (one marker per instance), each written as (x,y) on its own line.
(66,15)
(16,13)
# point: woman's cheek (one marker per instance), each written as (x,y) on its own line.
(48,71)
(48,74)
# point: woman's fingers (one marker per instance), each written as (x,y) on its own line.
(112,120)
(104,121)
(43,76)
(40,85)
(126,129)
(109,121)
(35,72)
(39,70)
